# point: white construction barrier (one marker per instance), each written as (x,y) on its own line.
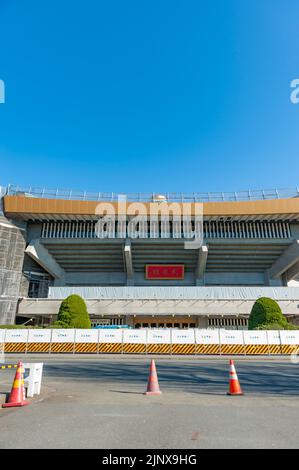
(231,342)
(16,340)
(289,341)
(63,340)
(134,341)
(86,341)
(39,341)
(256,342)
(182,341)
(274,342)
(33,373)
(110,341)
(158,341)
(207,341)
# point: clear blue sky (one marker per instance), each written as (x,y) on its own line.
(160,96)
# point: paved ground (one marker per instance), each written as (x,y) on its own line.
(97,402)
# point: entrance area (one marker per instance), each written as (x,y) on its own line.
(181,322)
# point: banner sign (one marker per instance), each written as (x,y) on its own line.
(87,336)
(39,336)
(255,337)
(16,336)
(63,336)
(158,336)
(289,337)
(273,337)
(206,336)
(183,336)
(110,336)
(134,336)
(164,271)
(231,337)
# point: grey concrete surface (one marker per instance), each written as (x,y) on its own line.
(98,402)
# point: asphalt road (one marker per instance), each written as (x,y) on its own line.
(98,402)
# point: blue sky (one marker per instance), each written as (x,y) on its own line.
(149,96)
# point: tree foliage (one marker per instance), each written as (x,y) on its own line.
(72,313)
(266,314)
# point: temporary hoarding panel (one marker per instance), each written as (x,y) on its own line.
(86,336)
(231,337)
(134,336)
(289,337)
(274,346)
(16,336)
(110,336)
(256,342)
(39,341)
(273,337)
(255,337)
(63,336)
(207,336)
(2,335)
(16,341)
(207,341)
(231,342)
(158,336)
(183,336)
(39,336)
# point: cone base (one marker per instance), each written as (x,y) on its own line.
(152,393)
(236,393)
(11,405)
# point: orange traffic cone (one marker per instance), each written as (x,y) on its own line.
(17,394)
(234,385)
(153,384)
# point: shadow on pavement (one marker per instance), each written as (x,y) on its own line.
(209,378)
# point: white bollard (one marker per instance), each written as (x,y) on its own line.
(33,377)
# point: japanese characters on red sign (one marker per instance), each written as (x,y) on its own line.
(164,271)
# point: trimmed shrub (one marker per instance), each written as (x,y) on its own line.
(266,312)
(275,326)
(72,313)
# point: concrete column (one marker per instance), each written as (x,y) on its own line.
(128,262)
(201,265)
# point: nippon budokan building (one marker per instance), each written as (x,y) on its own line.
(203,264)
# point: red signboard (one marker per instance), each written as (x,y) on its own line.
(164,271)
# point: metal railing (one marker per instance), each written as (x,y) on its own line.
(248,195)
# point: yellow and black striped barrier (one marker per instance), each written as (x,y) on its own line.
(290,349)
(251,349)
(274,348)
(158,349)
(15,347)
(86,348)
(38,347)
(9,366)
(110,348)
(183,349)
(232,349)
(207,349)
(134,348)
(62,347)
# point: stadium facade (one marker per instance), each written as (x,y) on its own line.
(204,267)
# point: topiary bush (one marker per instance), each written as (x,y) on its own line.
(72,313)
(266,312)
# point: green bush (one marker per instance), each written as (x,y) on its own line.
(266,312)
(275,326)
(72,314)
